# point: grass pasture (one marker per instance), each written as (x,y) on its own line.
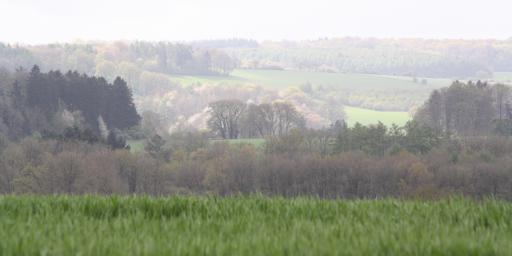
(91,225)
(136,145)
(367,116)
(281,79)
(381,87)
(503,77)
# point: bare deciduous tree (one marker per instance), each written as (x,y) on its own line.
(287,118)
(274,119)
(225,117)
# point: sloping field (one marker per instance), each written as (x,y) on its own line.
(283,79)
(374,86)
(278,79)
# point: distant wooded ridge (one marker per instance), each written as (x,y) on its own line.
(412,57)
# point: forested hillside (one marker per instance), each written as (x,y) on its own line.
(65,133)
(119,58)
(407,57)
(178,80)
(410,57)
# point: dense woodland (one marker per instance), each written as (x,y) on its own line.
(152,71)
(410,57)
(111,59)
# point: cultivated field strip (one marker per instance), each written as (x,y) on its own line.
(93,225)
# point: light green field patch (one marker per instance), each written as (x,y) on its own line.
(136,146)
(281,79)
(368,116)
(503,77)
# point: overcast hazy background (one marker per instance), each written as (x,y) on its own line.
(31,21)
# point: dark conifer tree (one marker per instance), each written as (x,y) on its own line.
(121,111)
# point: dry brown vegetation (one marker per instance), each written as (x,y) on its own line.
(476,168)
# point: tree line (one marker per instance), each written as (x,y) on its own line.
(169,58)
(106,58)
(477,167)
(469,109)
(409,57)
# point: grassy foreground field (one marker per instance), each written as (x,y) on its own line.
(90,225)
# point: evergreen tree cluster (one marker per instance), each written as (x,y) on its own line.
(52,102)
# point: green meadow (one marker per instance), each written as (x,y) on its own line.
(281,79)
(503,77)
(368,116)
(136,145)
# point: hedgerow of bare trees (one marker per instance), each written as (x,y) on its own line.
(475,167)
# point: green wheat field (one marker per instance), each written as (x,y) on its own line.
(256,225)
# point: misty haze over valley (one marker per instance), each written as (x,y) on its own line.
(255,127)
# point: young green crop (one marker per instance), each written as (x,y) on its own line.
(93,225)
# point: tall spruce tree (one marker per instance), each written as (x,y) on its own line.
(122,112)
